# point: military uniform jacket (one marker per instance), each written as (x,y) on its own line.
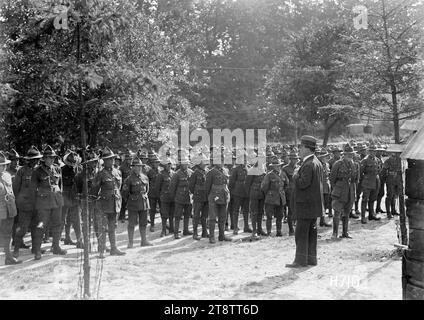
(344,177)
(153,174)
(23,189)
(308,197)
(289,171)
(7,198)
(178,187)
(70,197)
(47,183)
(326,178)
(369,177)
(273,187)
(392,171)
(332,161)
(107,185)
(237,181)
(253,186)
(135,190)
(216,185)
(162,186)
(125,170)
(91,175)
(196,185)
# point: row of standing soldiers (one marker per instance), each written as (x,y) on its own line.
(48,195)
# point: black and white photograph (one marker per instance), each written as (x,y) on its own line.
(229,151)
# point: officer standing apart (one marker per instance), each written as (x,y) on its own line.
(216,187)
(106,185)
(343,177)
(154,200)
(180,192)
(308,204)
(8,210)
(47,183)
(134,191)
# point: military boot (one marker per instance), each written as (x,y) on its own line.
(246,223)
(335,228)
(290,224)
(279,226)
(177,228)
(363,208)
(261,232)
(371,214)
(221,235)
(205,233)
(195,225)
(186,232)
(268,226)
(9,258)
(212,231)
(345,226)
(171,224)
(393,207)
(254,229)
(130,237)
(353,215)
(235,223)
(144,242)
(55,245)
(163,233)
(152,220)
(114,251)
(388,209)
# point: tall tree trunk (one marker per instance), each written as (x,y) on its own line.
(328,127)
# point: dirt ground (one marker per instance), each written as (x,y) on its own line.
(365,267)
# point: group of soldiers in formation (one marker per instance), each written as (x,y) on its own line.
(41,193)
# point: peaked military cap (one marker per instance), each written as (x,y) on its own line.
(49,152)
(33,153)
(308,141)
(13,155)
(107,153)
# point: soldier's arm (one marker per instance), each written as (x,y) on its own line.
(232,180)
(208,182)
(126,188)
(157,184)
(265,184)
(192,182)
(362,166)
(248,183)
(173,185)
(304,178)
(333,174)
(97,182)
(285,179)
(16,183)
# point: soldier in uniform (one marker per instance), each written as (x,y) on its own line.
(378,157)
(323,156)
(361,154)
(144,159)
(25,199)
(135,192)
(8,210)
(256,201)
(392,173)
(154,200)
(273,186)
(70,209)
(90,170)
(230,210)
(125,169)
(343,177)
(370,183)
(289,170)
(107,185)
(12,169)
(47,183)
(240,196)
(200,200)
(179,191)
(216,186)
(166,201)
